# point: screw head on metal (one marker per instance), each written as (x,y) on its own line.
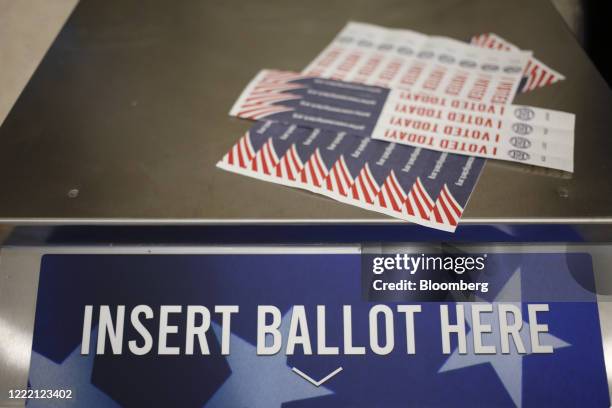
(563,192)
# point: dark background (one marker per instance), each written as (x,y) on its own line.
(589,20)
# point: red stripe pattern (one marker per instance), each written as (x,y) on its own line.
(271,88)
(418,203)
(240,154)
(447,210)
(314,171)
(265,159)
(365,188)
(537,73)
(339,179)
(290,165)
(390,198)
(391,195)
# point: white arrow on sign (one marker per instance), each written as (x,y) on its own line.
(311,380)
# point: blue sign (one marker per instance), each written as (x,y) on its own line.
(293,330)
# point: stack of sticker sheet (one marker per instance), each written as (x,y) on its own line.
(398,122)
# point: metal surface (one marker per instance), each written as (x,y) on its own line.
(27,29)
(129,107)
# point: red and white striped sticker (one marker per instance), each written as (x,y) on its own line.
(523,134)
(390,195)
(536,73)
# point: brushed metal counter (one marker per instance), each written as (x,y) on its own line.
(129,107)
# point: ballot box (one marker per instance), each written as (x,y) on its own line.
(134,272)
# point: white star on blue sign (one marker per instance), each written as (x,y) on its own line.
(260,381)
(508,367)
(74,374)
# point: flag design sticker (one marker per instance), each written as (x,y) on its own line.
(447,210)
(398,122)
(290,166)
(536,73)
(339,180)
(365,188)
(314,102)
(401,181)
(239,158)
(314,172)
(524,134)
(272,86)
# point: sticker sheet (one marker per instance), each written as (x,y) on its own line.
(536,73)
(398,122)
(419,185)
(405,59)
(507,132)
